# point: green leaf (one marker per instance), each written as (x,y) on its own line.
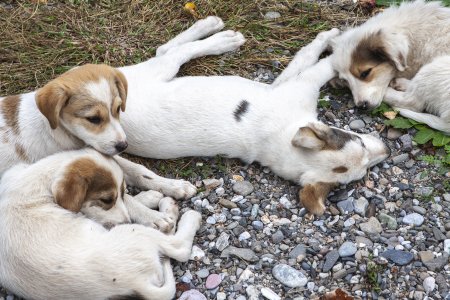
(381,109)
(399,122)
(440,139)
(424,136)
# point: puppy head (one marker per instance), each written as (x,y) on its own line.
(86,101)
(368,62)
(93,186)
(334,156)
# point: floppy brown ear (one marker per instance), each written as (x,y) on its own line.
(396,47)
(50,100)
(306,137)
(70,191)
(122,87)
(313,196)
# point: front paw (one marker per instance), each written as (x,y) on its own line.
(159,221)
(180,189)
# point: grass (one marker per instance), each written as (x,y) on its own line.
(40,41)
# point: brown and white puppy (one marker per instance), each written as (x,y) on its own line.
(48,251)
(396,43)
(79,108)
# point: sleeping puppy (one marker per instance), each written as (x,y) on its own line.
(47,251)
(399,43)
(80,108)
(275,125)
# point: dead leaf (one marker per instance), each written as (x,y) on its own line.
(390,114)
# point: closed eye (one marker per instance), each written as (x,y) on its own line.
(94,119)
(107,201)
(364,74)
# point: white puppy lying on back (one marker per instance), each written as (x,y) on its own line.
(49,252)
(275,125)
(411,41)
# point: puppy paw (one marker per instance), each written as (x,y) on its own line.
(226,41)
(328,35)
(191,218)
(399,84)
(209,25)
(161,222)
(178,189)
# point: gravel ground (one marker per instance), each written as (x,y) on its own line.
(384,237)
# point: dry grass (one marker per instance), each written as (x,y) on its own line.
(41,41)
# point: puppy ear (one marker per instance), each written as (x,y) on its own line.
(50,100)
(313,196)
(312,137)
(70,191)
(122,87)
(396,47)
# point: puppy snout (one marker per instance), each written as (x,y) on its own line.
(121,146)
(363,104)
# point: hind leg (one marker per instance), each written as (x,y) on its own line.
(307,56)
(200,29)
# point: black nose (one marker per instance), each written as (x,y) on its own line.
(121,146)
(364,104)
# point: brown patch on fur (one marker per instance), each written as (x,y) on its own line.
(370,54)
(56,94)
(340,169)
(79,107)
(313,196)
(20,151)
(10,112)
(84,180)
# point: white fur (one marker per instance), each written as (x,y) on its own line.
(171,117)
(47,252)
(419,31)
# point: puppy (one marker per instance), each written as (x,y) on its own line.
(396,43)
(47,251)
(428,91)
(79,108)
(274,124)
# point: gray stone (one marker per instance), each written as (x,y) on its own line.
(372,226)
(298,252)
(340,274)
(429,284)
(364,240)
(222,242)
(277,237)
(361,205)
(346,206)
(437,263)
(425,191)
(211,183)
(227,203)
(258,225)
(243,253)
(390,222)
(419,209)
(446,197)
(330,260)
(438,235)
(271,15)
(243,188)
(289,276)
(406,142)
(203,273)
(357,124)
(447,246)
(347,249)
(398,257)
(393,133)
(413,219)
(269,294)
(400,158)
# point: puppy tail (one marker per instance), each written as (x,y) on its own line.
(431,120)
(167,290)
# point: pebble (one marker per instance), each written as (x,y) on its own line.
(211,183)
(197,253)
(252,292)
(346,206)
(271,15)
(371,227)
(437,263)
(357,124)
(447,246)
(227,203)
(192,295)
(398,257)
(284,201)
(413,219)
(429,284)
(244,236)
(223,241)
(298,253)
(257,225)
(361,205)
(277,237)
(330,260)
(243,253)
(347,249)
(349,222)
(400,158)
(419,209)
(406,141)
(221,296)
(289,276)
(213,281)
(390,222)
(243,188)
(426,256)
(203,273)
(269,294)
(393,133)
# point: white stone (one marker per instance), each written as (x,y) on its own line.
(429,284)
(197,253)
(447,246)
(269,294)
(244,236)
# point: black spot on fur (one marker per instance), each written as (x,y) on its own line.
(336,139)
(134,296)
(240,110)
